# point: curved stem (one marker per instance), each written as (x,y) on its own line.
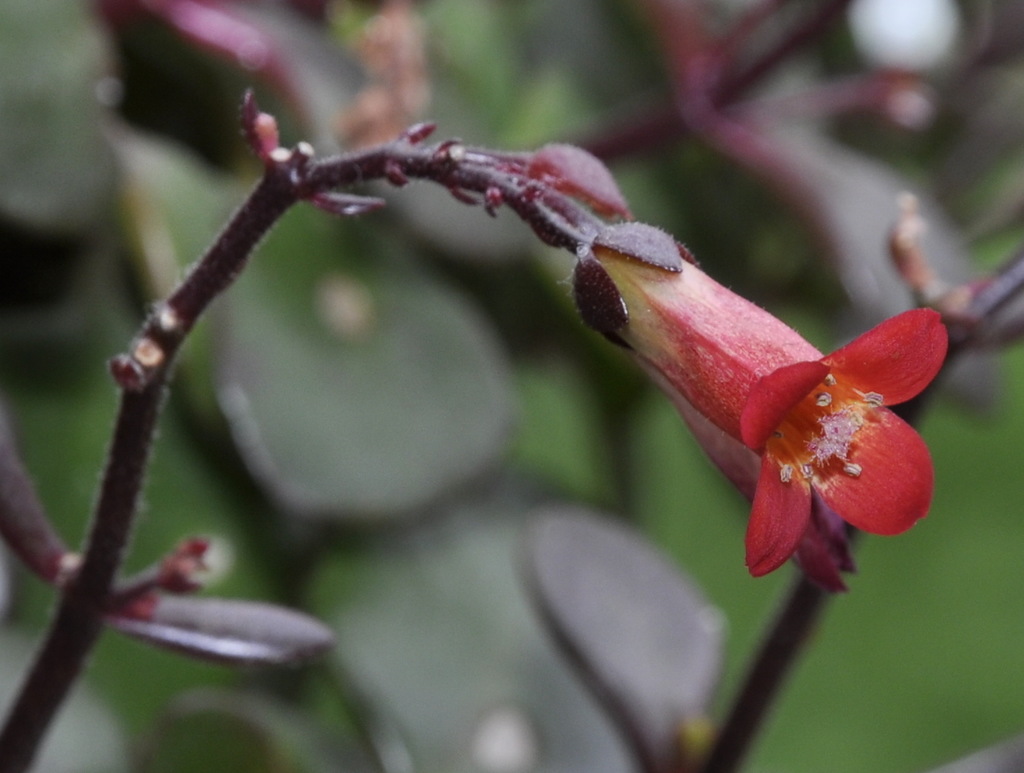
(142,372)
(778,651)
(79,617)
(79,620)
(810,29)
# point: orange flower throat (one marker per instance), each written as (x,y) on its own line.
(818,437)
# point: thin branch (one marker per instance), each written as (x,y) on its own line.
(78,621)
(743,29)
(713,90)
(648,133)
(810,29)
(142,373)
(783,644)
(1004,287)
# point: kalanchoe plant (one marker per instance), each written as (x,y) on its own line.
(813,440)
(750,385)
(828,447)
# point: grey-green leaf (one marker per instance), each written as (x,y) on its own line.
(356,384)
(640,633)
(1006,757)
(56,169)
(212,730)
(442,642)
(86,737)
(228,631)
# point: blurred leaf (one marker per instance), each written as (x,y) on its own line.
(173,206)
(849,201)
(62,405)
(228,631)
(356,384)
(980,174)
(212,731)
(6,583)
(558,439)
(1007,757)
(24,524)
(321,77)
(85,738)
(56,171)
(438,636)
(550,107)
(640,633)
(480,54)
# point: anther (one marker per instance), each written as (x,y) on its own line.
(823,399)
(456,152)
(873,399)
(280,155)
(830,380)
(786,473)
(305,149)
(853,470)
(807,470)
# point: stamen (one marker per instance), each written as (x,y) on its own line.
(853,470)
(873,399)
(823,399)
(786,473)
(807,470)
(830,380)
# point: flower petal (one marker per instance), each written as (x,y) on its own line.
(735,461)
(779,518)
(897,358)
(824,550)
(894,488)
(775,395)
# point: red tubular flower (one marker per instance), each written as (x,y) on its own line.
(827,444)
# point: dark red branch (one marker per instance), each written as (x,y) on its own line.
(785,641)
(142,374)
(737,82)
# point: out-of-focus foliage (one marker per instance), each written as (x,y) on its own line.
(371,418)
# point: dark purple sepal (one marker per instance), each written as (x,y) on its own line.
(644,243)
(824,550)
(597,298)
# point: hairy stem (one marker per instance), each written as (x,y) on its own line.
(78,621)
(472,176)
(79,617)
